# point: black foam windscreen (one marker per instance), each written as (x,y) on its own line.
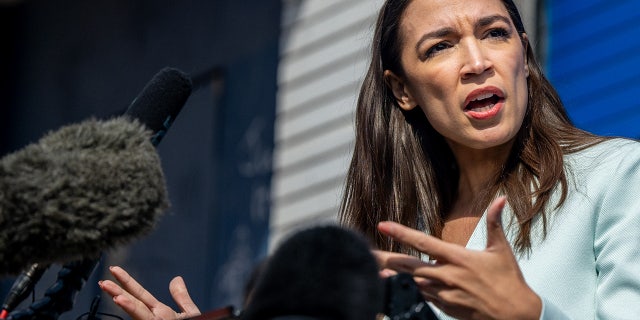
(160,101)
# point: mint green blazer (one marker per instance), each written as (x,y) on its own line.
(588,266)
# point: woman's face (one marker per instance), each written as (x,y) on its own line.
(464,64)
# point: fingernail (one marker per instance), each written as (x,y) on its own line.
(386,273)
(384,227)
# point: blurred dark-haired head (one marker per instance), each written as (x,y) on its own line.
(320,273)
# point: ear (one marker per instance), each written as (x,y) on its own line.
(399,89)
(527,47)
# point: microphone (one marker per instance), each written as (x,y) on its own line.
(160,101)
(81,189)
(89,186)
(325,272)
(86,187)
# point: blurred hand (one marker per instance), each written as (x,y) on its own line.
(136,301)
(464,283)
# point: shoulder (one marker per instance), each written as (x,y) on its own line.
(608,156)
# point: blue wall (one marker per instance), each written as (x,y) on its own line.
(594,62)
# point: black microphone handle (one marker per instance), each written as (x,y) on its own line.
(23,285)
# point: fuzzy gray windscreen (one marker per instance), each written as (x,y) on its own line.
(80,190)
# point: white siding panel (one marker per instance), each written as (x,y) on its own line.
(291,99)
(306,33)
(323,203)
(324,54)
(281,232)
(353,45)
(323,173)
(314,147)
(288,127)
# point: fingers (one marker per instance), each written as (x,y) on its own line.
(397,261)
(386,273)
(422,242)
(110,288)
(495,233)
(134,308)
(452,300)
(180,294)
(424,273)
(136,301)
(131,286)
(130,305)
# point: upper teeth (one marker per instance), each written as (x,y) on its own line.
(483,96)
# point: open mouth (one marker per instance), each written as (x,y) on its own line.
(483,103)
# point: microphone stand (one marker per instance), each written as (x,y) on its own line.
(59,298)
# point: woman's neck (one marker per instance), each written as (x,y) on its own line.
(477,169)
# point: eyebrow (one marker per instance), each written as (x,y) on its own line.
(443,32)
(483,22)
(440,33)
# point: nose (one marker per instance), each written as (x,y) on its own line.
(474,60)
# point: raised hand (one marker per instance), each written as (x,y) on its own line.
(464,283)
(136,301)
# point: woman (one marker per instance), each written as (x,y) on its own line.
(453,113)
(455,117)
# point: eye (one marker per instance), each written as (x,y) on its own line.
(498,33)
(436,49)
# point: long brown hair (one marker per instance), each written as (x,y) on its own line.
(403,170)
